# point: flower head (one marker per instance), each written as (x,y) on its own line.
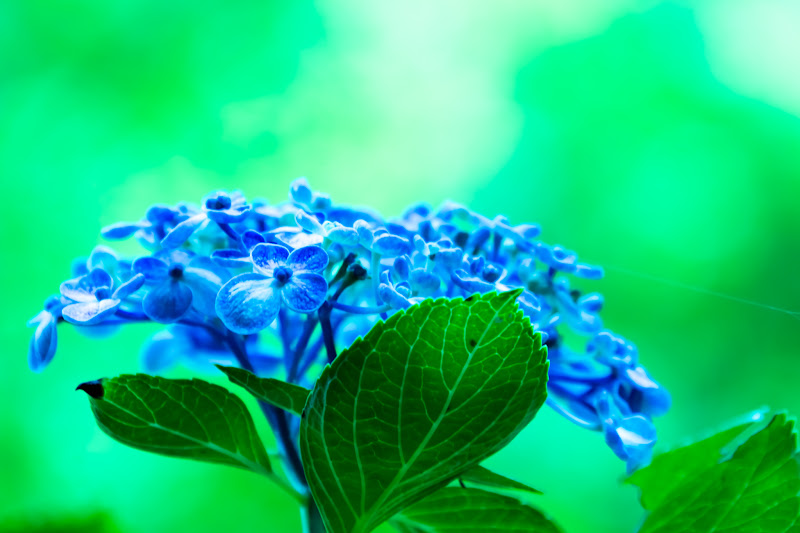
(221,272)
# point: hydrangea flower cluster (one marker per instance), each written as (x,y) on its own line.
(281,288)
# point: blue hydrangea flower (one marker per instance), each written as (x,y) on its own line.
(91,299)
(177,282)
(219,207)
(250,302)
(44,341)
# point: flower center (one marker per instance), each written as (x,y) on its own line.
(102,293)
(283,273)
(219,202)
(176,271)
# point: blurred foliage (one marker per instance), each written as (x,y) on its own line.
(95,523)
(641,136)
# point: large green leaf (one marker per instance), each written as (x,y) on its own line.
(424,396)
(457,510)
(178,417)
(754,490)
(279,393)
(480,475)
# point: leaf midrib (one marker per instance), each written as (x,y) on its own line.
(364,523)
(256,467)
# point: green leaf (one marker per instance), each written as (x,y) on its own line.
(178,417)
(279,393)
(424,396)
(754,490)
(486,478)
(457,510)
(668,470)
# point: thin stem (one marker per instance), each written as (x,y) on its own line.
(276,417)
(233,234)
(327,331)
(300,347)
(361,310)
(286,342)
(375,272)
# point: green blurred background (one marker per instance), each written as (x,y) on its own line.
(659,139)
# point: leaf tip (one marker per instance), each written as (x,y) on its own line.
(93,388)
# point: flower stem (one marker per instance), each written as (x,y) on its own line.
(361,310)
(300,347)
(276,417)
(324,314)
(375,272)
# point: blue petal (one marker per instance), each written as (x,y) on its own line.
(89,313)
(268,257)
(251,237)
(402,267)
(307,259)
(229,216)
(178,235)
(103,257)
(389,294)
(365,236)
(529,304)
(585,271)
(248,303)
(631,438)
(205,279)
(305,292)
(83,289)
(451,258)
(389,245)
(471,284)
(168,301)
(422,280)
(121,230)
(154,270)
(230,258)
(300,192)
(576,411)
(129,287)
(592,302)
(159,214)
(162,351)
(43,344)
(308,222)
(341,234)
(477,265)
(557,257)
(299,239)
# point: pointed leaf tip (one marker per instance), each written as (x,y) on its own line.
(93,388)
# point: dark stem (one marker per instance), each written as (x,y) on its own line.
(234,236)
(276,417)
(300,347)
(327,331)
